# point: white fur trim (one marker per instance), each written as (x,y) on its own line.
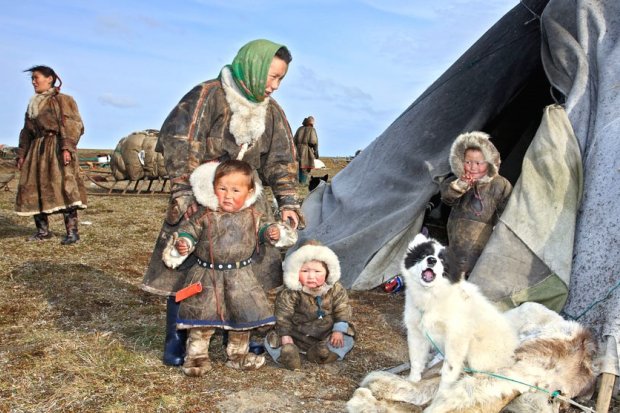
(201,181)
(475,139)
(35,102)
(171,256)
(247,122)
(292,264)
(288,236)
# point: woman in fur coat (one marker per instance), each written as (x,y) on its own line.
(221,291)
(231,117)
(47,158)
(307,145)
(312,311)
(477,195)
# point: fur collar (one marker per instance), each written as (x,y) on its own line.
(36,100)
(293,264)
(202,186)
(247,122)
(476,140)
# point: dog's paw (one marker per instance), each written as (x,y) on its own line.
(414,376)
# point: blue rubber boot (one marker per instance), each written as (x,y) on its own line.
(174,346)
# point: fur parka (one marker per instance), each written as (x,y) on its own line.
(310,315)
(475,210)
(214,121)
(46,185)
(231,297)
(307,145)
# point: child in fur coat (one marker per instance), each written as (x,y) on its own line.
(477,194)
(312,311)
(221,290)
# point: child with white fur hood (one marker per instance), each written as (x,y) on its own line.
(221,290)
(312,311)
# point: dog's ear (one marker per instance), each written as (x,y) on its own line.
(451,265)
(420,238)
(325,177)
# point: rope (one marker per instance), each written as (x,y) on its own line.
(594,304)
(536,16)
(555,394)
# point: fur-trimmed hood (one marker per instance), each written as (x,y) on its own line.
(474,140)
(292,264)
(202,186)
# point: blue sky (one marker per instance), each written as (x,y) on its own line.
(357,64)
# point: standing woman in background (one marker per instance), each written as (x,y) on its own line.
(307,145)
(47,157)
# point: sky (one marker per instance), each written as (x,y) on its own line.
(357,64)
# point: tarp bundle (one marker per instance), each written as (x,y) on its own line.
(135,157)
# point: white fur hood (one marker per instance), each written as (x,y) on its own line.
(293,264)
(202,186)
(476,140)
(247,122)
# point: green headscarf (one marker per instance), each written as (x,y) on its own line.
(251,66)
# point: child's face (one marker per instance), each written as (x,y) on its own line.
(312,274)
(475,165)
(232,191)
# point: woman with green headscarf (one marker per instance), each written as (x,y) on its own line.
(231,117)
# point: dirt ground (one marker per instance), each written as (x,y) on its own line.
(78,335)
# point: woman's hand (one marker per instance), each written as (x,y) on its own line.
(181,246)
(337,339)
(287,340)
(19,163)
(290,216)
(273,233)
(191,210)
(66,157)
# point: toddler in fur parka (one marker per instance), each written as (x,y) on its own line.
(313,315)
(221,290)
(477,194)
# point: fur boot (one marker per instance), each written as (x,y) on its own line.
(197,362)
(174,346)
(238,354)
(71,224)
(43,233)
(289,357)
(320,354)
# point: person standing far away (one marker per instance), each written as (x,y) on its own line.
(307,145)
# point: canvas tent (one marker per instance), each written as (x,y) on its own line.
(557,241)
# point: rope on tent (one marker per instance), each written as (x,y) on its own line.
(536,16)
(591,306)
(555,394)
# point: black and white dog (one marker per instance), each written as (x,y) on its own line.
(470,331)
(453,314)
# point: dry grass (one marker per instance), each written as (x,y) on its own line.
(77,335)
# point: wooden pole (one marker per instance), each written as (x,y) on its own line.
(605,392)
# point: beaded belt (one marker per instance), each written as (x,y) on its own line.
(225,266)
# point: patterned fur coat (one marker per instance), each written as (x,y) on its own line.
(46,185)
(215,122)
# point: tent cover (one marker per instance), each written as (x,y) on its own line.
(544,82)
